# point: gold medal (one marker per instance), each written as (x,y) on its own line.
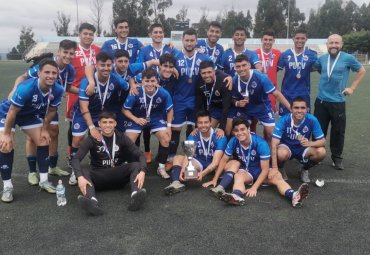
(148,119)
(190,80)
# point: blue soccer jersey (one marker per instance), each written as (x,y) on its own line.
(214,53)
(287,132)
(205,149)
(149,52)
(251,156)
(228,60)
(132,45)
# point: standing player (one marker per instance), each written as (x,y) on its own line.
(32,107)
(291,139)
(229,56)
(297,63)
(132,45)
(209,150)
(152,108)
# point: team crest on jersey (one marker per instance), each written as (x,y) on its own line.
(253,152)
(217,93)
(111,86)
(217,52)
(305,129)
(305,57)
(2,121)
(76,126)
(34,99)
(130,45)
(116,147)
(254,84)
(198,61)
(158,100)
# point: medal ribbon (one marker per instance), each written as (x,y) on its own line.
(102,99)
(149,108)
(330,70)
(299,68)
(190,73)
(246,94)
(206,152)
(119,44)
(292,125)
(249,152)
(110,156)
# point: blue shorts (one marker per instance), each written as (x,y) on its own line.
(121,122)
(23,122)
(297,152)
(183,114)
(202,163)
(216,113)
(79,126)
(155,125)
(254,172)
(266,117)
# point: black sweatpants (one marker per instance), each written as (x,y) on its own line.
(335,114)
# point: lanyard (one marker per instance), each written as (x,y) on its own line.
(213,51)
(154,50)
(210,95)
(266,63)
(87,60)
(330,70)
(249,152)
(119,44)
(292,126)
(299,68)
(148,108)
(206,152)
(246,94)
(237,54)
(49,95)
(102,99)
(190,73)
(110,156)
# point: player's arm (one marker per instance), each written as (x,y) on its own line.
(252,191)
(211,167)
(89,72)
(258,66)
(225,158)
(274,158)
(358,78)
(281,98)
(84,108)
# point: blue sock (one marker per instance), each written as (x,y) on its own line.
(31,163)
(175,174)
(238,192)
(42,157)
(289,194)
(6,165)
(54,160)
(227,179)
(73,151)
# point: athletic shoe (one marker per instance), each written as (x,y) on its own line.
(72,179)
(218,191)
(137,200)
(48,187)
(58,171)
(283,174)
(162,173)
(305,176)
(69,165)
(7,196)
(300,195)
(233,199)
(89,205)
(148,157)
(33,179)
(174,187)
(337,163)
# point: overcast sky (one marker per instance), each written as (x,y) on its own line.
(40,14)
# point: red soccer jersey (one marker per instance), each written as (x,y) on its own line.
(269,63)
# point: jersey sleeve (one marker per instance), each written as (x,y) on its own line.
(141,55)
(254,58)
(268,87)
(71,75)
(105,47)
(280,64)
(169,103)
(316,130)
(136,68)
(279,129)
(263,149)
(129,102)
(354,64)
(221,143)
(230,147)
(21,95)
(122,83)
(82,91)
(32,72)
(317,64)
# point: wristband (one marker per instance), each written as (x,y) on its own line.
(91,127)
(169,125)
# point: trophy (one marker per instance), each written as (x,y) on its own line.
(189,150)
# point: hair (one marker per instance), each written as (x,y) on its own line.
(149,73)
(240,29)
(47,61)
(205,64)
(154,25)
(300,30)
(67,44)
(298,99)
(241,58)
(268,32)
(119,20)
(107,115)
(103,57)
(86,26)
(167,58)
(239,121)
(121,53)
(215,24)
(190,31)
(203,113)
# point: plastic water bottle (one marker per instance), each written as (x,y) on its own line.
(61,194)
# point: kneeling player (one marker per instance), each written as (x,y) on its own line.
(209,150)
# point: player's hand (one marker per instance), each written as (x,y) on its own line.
(272,173)
(229,84)
(140,177)
(96,134)
(82,184)
(347,91)
(219,133)
(90,89)
(194,132)
(141,121)
(45,136)
(172,46)
(133,89)
(305,142)
(175,73)
(6,143)
(243,103)
(210,183)
(251,192)
(201,175)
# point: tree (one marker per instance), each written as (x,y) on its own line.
(232,19)
(97,15)
(62,24)
(357,42)
(363,22)
(25,40)
(13,54)
(202,26)
(183,14)
(159,6)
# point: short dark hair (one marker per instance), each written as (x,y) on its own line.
(47,61)
(107,115)
(149,73)
(103,56)
(215,24)
(240,29)
(119,20)
(239,121)
(121,53)
(203,113)
(205,64)
(300,30)
(86,26)
(190,31)
(241,58)
(67,44)
(299,99)
(268,32)
(167,58)
(154,25)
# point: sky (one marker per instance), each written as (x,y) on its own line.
(40,14)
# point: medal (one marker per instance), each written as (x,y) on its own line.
(299,65)
(190,72)
(299,137)
(298,76)
(148,119)
(190,80)
(148,108)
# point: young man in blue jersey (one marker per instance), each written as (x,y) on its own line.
(152,108)
(208,153)
(228,58)
(209,46)
(32,107)
(66,75)
(330,104)
(291,139)
(297,63)
(106,96)
(252,167)
(122,41)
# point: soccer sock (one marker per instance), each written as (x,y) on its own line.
(8,184)
(175,174)
(309,164)
(31,160)
(227,179)
(163,153)
(289,194)
(73,151)
(53,160)
(43,177)
(238,192)
(146,136)
(175,139)
(69,135)
(189,129)
(42,158)
(137,142)
(90,192)
(6,164)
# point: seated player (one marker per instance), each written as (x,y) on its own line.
(291,139)
(107,169)
(32,107)
(152,107)
(252,168)
(209,150)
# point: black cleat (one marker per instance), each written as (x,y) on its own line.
(89,205)
(137,200)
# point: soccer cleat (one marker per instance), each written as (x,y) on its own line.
(162,173)
(148,157)
(300,195)
(58,171)
(33,179)
(174,187)
(89,205)
(305,176)
(69,165)
(48,187)
(72,179)
(218,191)
(7,196)
(137,200)
(233,199)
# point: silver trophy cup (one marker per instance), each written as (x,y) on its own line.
(189,149)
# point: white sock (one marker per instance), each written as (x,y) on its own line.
(161,165)
(8,184)
(43,177)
